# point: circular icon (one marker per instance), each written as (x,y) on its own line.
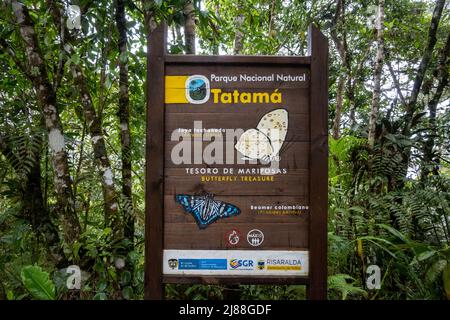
(233,237)
(255,237)
(197,89)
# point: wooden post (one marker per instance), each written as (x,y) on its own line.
(154,175)
(318,161)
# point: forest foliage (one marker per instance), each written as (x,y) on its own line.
(72,139)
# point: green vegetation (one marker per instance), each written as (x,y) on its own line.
(72,139)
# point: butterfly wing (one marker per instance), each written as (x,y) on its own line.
(196,206)
(254,144)
(218,209)
(274,125)
(185,200)
(206,210)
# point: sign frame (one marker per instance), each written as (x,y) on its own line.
(317,61)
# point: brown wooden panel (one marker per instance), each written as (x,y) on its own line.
(174,212)
(303,154)
(221,70)
(277,236)
(298,126)
(294,155)
(294,184)
(294,101)
(268,61)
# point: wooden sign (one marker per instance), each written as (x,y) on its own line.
(236,179)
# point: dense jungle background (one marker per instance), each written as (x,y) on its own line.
(72,139)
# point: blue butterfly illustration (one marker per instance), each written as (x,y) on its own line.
(205,208)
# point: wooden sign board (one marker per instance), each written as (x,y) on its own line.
(236,179)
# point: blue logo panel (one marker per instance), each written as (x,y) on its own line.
(202,264)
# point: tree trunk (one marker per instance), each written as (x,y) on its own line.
(339,104)
(47,99)
(424,64)
(272,17)
(430,164)
(377,75)
(149,16)
(341,46)
(124,117)
(179,36)
(352,81)
(239,34)
(395,80)
(216,44)
(426,57)
(94,126)
(189,26)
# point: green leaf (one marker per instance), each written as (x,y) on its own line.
(75,58)
(125,278)
(435,270)
(76,249)
(394,232)
(127,293)
(345,285)
(139,276)
(357,209)
(425,255)
(102,285)
(112,273)
(375,241)
(446,279)
(10,295)
(38,283)
(108,82)
(100,296)
(107,231)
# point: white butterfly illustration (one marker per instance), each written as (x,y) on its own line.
(265,142)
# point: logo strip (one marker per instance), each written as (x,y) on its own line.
(242,262)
